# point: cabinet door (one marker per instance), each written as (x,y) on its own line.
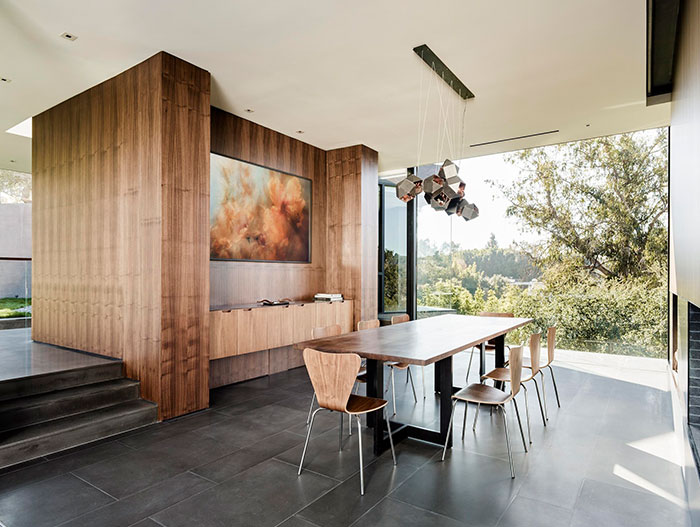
(343,315)
(325,314)
(304,318)
(252,331)
(280,326)
(223,333)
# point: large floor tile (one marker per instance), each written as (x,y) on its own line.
(169,429)
(613,506)
(467,487)
(228,466)
(524,512)
(50,502)
(138,506)
(265,495)
(393,513)
(60,465)
(344,504)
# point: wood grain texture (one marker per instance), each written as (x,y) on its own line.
(421,342)
(352,227)
(332,376)
(245,282)
(121,188)
(238,368)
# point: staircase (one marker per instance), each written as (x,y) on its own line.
(42,414)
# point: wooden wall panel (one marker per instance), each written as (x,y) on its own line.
(185,237)
(352,227)
(246,282)
(121,185)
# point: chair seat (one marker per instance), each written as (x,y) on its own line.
(359,404)
(481,393)
(398,365)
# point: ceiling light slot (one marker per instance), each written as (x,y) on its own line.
(69,36)
(514,138)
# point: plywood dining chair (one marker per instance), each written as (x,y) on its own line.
(551,346)
(333,376)
(320,333)
(367,324)
(399,319)
(483,394)
(504,374)
(489,345)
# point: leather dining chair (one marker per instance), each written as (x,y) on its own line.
(483,394)
(333,376)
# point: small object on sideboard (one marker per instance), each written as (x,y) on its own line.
(280,302)
(328,297)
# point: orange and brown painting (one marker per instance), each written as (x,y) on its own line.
(257,213)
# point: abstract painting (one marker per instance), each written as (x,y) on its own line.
(258,214)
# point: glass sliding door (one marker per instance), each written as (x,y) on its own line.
(392,251)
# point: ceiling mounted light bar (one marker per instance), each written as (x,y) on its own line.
(439,67)
(513,138)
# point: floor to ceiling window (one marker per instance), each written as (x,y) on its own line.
(571,235)
(393,251)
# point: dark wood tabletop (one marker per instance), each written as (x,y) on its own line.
(420,342)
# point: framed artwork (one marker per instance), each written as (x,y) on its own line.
(257,213)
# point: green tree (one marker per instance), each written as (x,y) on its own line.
(601,202)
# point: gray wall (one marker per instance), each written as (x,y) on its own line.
(15,242)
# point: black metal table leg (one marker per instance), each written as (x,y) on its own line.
(482,359)
(443,370)
(500,343)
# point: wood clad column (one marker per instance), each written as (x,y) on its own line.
(351,267)
(120,227)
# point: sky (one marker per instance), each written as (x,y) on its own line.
(474,234)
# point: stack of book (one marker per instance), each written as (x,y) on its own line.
(328,297)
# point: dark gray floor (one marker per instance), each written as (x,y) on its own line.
(21,357)
(606,458)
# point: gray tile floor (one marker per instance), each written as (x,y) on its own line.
(607,457)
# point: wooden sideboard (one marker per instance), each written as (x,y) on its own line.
(246,329)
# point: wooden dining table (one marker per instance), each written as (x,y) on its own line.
(421,342)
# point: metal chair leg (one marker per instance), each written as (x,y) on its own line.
(393,390)
(510,453)
(478,407)
(408,373)
(469,368)
(544,396)
(449,430)
(539,399)
(362,468)
(527,414)
(554,382)
(311,408)
(464,423)
(391,439)
(520,424)
(413,387)
(306,443)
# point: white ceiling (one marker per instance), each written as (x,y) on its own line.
(344,72)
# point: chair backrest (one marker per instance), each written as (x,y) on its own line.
(367,324)
(491,314)
(326,331)
(333,376)
(551,343)
(398,319)
(535,339)
(515,364)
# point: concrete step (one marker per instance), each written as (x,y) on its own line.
(32,441)
(33,409)
(60,380)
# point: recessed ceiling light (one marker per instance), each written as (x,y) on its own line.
(24,128)
(250,110)
(588,124)
(69,36)
(5,79)
(12,160)
(300,131)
